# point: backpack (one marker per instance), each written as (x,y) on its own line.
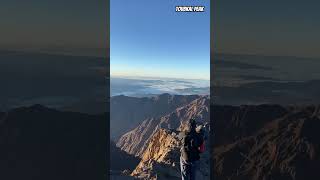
(190,147)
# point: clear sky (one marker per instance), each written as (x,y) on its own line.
(267,27)
(148,38)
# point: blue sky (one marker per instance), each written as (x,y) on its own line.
(148,38)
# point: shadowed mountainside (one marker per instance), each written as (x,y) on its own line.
(280,145)
(242,121)
(42,143)
(128,112)
(117,157)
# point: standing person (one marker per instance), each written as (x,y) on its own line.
(190,151)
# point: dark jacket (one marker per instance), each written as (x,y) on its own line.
(190,146)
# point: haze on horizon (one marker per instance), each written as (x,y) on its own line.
(142,75)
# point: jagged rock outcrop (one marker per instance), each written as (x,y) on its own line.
(160,160)
(285,148)
(136,141)
(161,149)
(128,112)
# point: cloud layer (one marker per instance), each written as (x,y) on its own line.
(147,87)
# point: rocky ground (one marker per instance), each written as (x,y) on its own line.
(161,159)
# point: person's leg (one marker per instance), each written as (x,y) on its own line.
(193,170)
(185,170)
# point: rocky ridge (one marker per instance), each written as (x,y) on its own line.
(156,141)
(161,158)
(136,141)
(284,148)
(128,112)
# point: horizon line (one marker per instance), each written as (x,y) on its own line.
(264,55)
(153,77)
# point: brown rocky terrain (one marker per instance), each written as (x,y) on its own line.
(160,160)
(251,142)
(128,112)
(136,141)
(156,141)
(160,157)
(156,138)
(283,145)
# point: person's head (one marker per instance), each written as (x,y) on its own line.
(199,129)
(191,126)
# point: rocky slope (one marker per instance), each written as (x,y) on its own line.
(235,122)
(160,160)
(128,112)
(285,147)
(136,141)
(157,140)
(160,157)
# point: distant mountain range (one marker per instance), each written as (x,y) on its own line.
(269,92)
(240,79)
(50,79)
(244,68)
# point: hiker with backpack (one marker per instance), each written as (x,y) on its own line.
(192,146)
